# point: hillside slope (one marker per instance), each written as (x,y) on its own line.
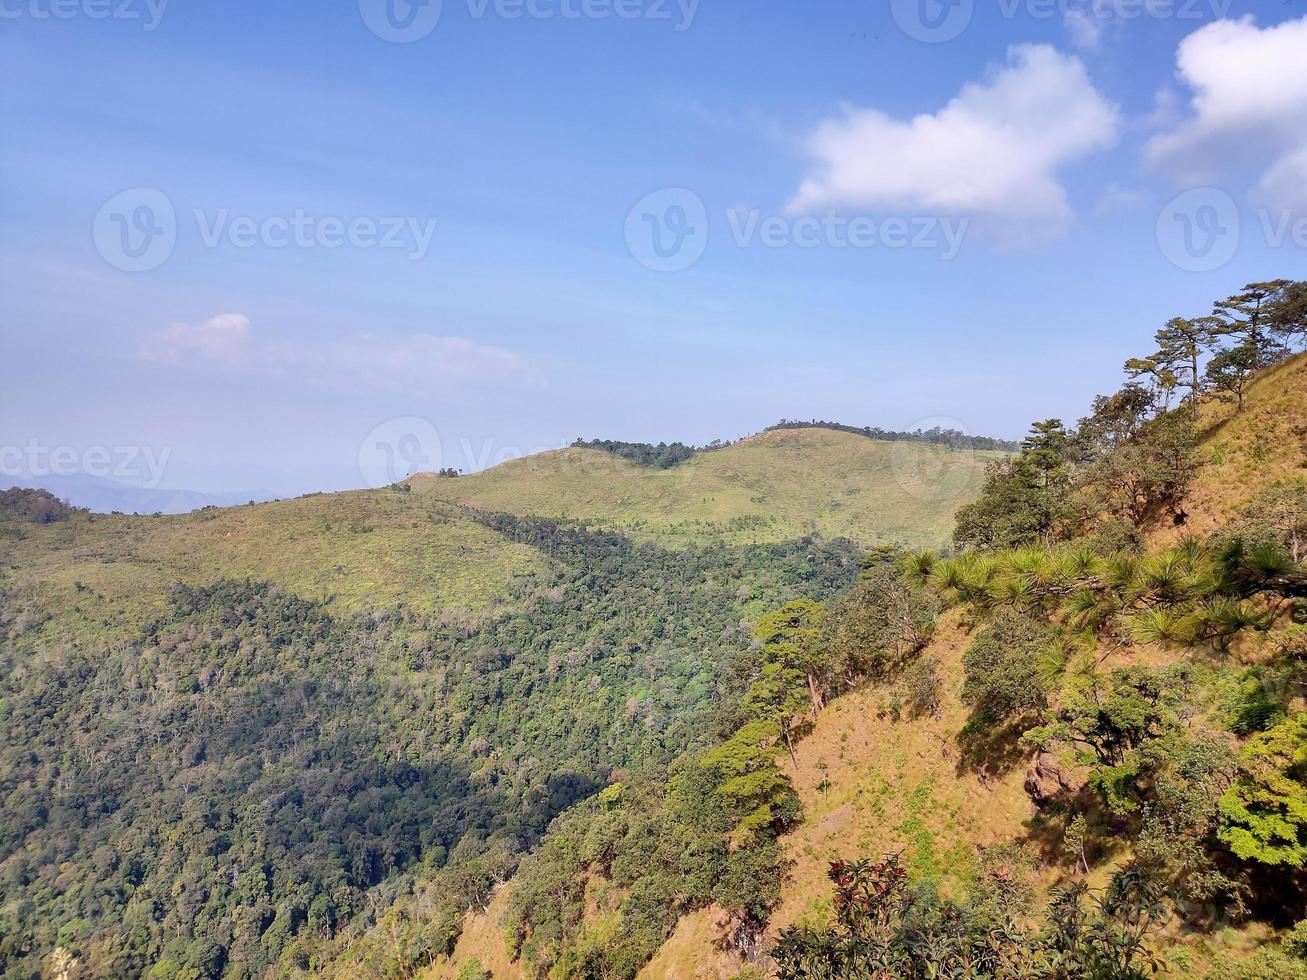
(368,549)
(1245,452)
(770,487)
(109,574)
(873,780)
(413,685)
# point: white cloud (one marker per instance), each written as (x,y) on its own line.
(991,153)
(220,338)
(408,362)
(1248,105)
(1285,183)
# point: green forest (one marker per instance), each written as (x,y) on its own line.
(1196,769)
(257,784)
(223,794)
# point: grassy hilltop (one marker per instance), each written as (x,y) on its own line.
(372,549)
(770,487)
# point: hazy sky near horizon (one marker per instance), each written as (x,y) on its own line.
(252,234)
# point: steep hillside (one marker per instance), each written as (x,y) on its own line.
(770,487)
(939,786)
(1245,452)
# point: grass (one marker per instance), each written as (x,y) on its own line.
(1244,453)
(104,576)
(771,487)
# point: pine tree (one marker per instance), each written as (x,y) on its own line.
(1180,346)
(1248,316)
(1231,371)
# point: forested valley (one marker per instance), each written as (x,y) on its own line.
(259,783)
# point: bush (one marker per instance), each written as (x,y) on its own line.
(1005,667)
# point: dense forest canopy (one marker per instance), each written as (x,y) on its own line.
(233,789)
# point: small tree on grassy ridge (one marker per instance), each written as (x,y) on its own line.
(1231,371)
(1250,316)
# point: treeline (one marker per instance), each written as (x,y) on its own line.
(665,455)
(662,456)
(253,785)
(934,436)
(1131,460)
(39,506)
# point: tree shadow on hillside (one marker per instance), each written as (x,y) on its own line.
(991,750)
(1105,834)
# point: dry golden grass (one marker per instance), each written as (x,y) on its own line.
(893,785)
(1245,452)
(484,940)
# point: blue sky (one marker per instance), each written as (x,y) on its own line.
(501,156)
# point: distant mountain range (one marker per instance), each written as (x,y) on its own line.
(105,496)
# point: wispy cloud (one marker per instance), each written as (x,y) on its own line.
(1117,198)
(411,361)
(223,338)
